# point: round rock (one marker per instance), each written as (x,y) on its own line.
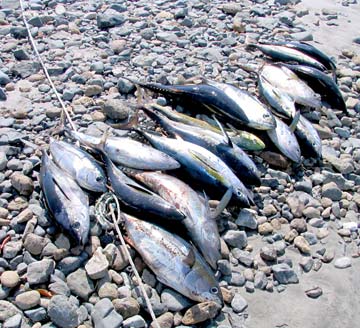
(10,279)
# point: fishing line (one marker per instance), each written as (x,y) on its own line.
(100,211)
(33,44)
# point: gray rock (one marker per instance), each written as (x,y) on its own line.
(332,191)
(28,300)
(105,316)
(134,322)
(127,306)
(97,266)
(268,253)
(80,284)
(109,18)
(108,290)
(40,271)
(224,267)
(13,322)
(238,304)
(235,238)
(287,2)
(117,109)
(342,262)
(284,274)
(3,161)
(166,36)
(302,36)
(4,78)
(60,288)
(174,301)
(246,218)
(34,243)
(62,312)
(36,315)
(125,86)
(260,280)
(244,257)
(314,292)
(7,310)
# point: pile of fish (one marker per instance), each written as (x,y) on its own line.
(199,154)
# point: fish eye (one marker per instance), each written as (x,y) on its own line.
(214,290)
(98,178)
(76,225)
(238,192)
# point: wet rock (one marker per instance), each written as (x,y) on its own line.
(200,312)
(80,284)
(62,312)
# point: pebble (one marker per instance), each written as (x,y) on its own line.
(23,184)
(246,218)
(174,301)
(80,284)
(134,322)
(239,304)
(200,312)
(166,320)
(127,306)
(342,262)
(314,292)
(235,238)
(34,243)
(284,274)
(27,300)
(332,191)
(301,243)
(10,279)
(105,316)
(62,312)
(265,228)
(97,266)
(39,272)
(116,109)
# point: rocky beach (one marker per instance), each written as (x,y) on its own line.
(292,260)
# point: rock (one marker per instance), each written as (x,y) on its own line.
(39,272)
(200,312)
(7,310)
(34,243)
(238,304)
(235,238)
(93,90)
(306,263)
(62,312)
(127,307)
(116,109)
(134,322)
(301,243)
(299,225)
(284,274)
(268,253)
(105,316)
(60,288)
(342,262)
(36,315)
(260,280)
(97,266)
(108,290)
(28,300)
(109,18)
(243,257)
(13,322)
(275,159)
(314,292)
(2,94)
(22,183)
(328,256)
(80,284)
(174,301)
(287,2)
(125,87)
(246,218)
(11,249)
(265,228)
(10,279)
(166,320)
(332,191)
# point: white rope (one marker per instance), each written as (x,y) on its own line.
(32,41)
(141,285)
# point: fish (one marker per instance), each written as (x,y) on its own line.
(80,165)
(220,98)
(243,139)
(310,141)
(218,144)
(201,227)
(284,139)
(175,262)
(130,153)
(67,202)
(322,84)
(138,197)
(313,52)
(202,165)
(277,99)
(285,80)
(287,54)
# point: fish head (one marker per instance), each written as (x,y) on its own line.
(80,225)
(94,180)
(202,284)
(240,196)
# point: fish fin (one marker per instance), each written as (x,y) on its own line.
(201,158)
(131,122)
(190,257)
(295,121)
(101,145)
(224,201)
(227,138)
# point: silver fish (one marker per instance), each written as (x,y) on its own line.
(288,82)
(131,153)
(285,140)
(80,165)
(175,262)
(200,226)
(310,138)
(203,165)
(67,202)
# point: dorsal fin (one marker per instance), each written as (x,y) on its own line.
(295,121)
(224,201)
(227,138)
(190,257)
